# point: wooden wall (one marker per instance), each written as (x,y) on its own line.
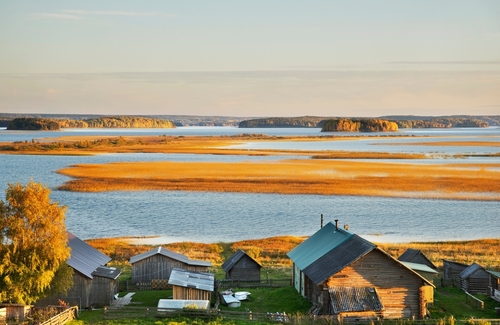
(398,287)
(477,283)
(159,267)
(451,271)
(183,293)
(245,269)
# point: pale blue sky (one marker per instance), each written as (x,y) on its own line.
(250,58)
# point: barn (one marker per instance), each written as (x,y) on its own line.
(191,285)
(475,279)
(240,266)
(345,275)
(416,256)
(452,270)
(159,262)
(94,283)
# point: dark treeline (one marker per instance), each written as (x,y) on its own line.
(363,124)
(43,124)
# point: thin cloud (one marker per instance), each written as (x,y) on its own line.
(445,62)
(60,16)
(114,13)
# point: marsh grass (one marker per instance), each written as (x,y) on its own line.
(294,176)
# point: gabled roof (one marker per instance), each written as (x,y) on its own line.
(330,250)
(107,272)
(320,243)
(456,263)
(411,253)
(168,253)
(344,254)
(84,258)
(230,262)
(351,299)
(190,279)
(467,272)
(419,267)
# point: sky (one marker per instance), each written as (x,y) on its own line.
(250,58)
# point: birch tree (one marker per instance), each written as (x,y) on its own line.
(33,245)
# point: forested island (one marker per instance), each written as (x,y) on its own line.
(387,123)
(45,124)
(362,125)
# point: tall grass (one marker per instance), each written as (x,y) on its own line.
(294,176)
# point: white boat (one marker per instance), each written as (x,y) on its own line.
(231,301)
(241,295)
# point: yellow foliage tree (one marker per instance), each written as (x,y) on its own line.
(33,245)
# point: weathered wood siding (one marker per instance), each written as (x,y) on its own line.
(452,270)
(85,293)
(477,283)
(397,286)
(159,267)
(184,293)
(245,269)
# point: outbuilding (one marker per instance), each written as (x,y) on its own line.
(94,283)
(241,266)
(159,262)
(475,279)
(416,256)
(345,275)
(191,285)
(452,270)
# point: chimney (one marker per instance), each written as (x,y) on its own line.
(321,221)
(336,224)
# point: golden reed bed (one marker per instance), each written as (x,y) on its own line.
(294,176)
(331,176)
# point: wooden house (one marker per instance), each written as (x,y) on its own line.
(345,275)
(451,272)
(94,283)
(240,266)
(475,279)
(191,285)
(416,256)
(425,271)
(159,262)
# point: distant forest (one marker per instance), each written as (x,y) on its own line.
(373,124)
(177,120)
(45,124)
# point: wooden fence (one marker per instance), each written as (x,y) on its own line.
(212,314)
(63,317)
(127,286)
(470,298)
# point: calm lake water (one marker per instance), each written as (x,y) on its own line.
(213,217)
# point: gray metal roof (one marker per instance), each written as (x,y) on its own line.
(190,279)
(352,299)
(107,272)
(344,254)
(411,253)
(168,253)
(84,258)
(316,246)
(468,271)
(419,267)
(230,262)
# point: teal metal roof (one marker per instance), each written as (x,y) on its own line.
(320,243)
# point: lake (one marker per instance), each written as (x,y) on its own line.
(172,216)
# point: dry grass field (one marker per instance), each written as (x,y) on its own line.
(294,176)
(271,252)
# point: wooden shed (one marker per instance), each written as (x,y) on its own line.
(452,270)
(94,283)
(416,256)
(159,262)
(422,269)
(475,279)
(240,266)
(345,275)
(191,285)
